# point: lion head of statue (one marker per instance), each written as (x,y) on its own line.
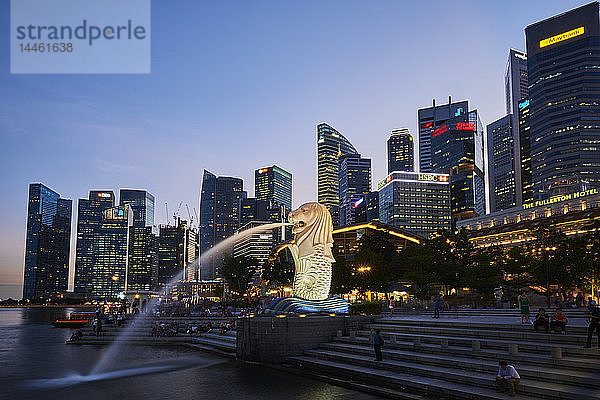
(312,226)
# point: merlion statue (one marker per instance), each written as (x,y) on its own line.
(311,250)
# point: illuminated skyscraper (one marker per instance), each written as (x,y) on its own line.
(274,184)
(354,185)
(177,250)
(502,165)
(331,145)
(564,88)
(47,245)
(219,215)
(142,273)
(400,151)
(416,202)
(89,220)
(430,119)
(457,150)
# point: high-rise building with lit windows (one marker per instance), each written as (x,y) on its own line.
(502,164)
(274,184)
(47,245)
(142,273)
(110,246)
(415,202)
(430,119)
(400,151)
(563,67)
(457,149)
(89,220)
(219,215)
(331,145)
(354,184)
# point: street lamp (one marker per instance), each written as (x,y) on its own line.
(548,274)
(114,278)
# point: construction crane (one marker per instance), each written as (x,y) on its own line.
(190,216)
(176,213)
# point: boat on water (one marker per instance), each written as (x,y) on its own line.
(75,320)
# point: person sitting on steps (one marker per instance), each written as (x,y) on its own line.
(541,319)
(559,320)
(507,379)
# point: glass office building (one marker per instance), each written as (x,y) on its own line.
(219,215)
(457,149)
(89,221)
(331,145)
(415,202)
(274,184)
(563,66)
(354,184)
(47,245)
(501,164)
(400,151)
(143,262)
(430,119)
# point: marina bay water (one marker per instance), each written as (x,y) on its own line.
(32,351)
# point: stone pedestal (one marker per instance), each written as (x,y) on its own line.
(271,339)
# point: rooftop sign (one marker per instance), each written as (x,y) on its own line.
(559,199)
(563,36)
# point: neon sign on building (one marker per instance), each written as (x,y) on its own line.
(562,36)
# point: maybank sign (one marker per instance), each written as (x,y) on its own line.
(559,199)
(563,36)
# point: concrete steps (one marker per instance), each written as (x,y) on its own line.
(488,367)
(424,386)
(459,359)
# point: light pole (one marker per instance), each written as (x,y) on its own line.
(548,274)
(114,278)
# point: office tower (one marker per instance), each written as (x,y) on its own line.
(256,246)
(89,219)
(274,184)
(219,215)
(515,81)
(142,273)
(177,251)
(372,206)
(47,245)
(430,119)
(502,164)
(253,209)
(457,150)
(110,252)
(400,151)
(516,89)
(367,208)
(564,87)
(330,146)
(416,202)
(525,152)
(354,184)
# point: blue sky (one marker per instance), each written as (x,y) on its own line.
(238,85)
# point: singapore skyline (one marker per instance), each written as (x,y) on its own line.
(241,104)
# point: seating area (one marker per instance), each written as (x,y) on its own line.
(140,332)
(457,358)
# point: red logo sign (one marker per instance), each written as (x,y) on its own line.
(440,130)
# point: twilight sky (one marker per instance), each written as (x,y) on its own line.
(239,85)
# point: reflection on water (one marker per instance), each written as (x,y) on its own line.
(32,350)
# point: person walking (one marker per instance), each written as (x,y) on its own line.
(507,379)
(391,307)
(377,344)
(437,303)
(594,321)
(524,307)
